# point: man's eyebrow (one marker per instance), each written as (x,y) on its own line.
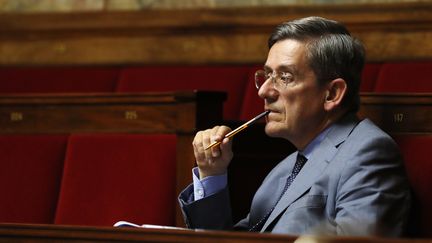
(284,68)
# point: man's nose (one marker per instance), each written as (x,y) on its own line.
(267,89)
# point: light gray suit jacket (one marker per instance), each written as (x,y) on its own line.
(354,183)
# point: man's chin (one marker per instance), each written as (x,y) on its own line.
(272,131)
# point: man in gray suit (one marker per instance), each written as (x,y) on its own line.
(347,177)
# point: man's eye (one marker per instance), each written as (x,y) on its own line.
(286,77)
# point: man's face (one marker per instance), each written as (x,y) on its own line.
(297,109)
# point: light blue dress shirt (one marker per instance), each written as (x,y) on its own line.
(212,184)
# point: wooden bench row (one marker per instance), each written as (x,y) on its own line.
(405,116)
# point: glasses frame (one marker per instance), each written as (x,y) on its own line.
(276,78)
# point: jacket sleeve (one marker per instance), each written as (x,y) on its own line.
(212,212)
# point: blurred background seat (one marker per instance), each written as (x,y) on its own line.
(30,175)
(231,79)
(112,177)
(405,77)
(58,79)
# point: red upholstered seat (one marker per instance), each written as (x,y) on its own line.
(369,77)
(57,79)
(416,152)
(172,78)
(252,103)
(405,77)
(30,175)
(112,177)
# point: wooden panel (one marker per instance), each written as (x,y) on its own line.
(61,233)
(399,113)
(390,31)
(135,113)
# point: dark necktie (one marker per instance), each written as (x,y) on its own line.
(301,160)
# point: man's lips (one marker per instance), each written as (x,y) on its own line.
(272,113)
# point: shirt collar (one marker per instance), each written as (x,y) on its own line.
(307,152)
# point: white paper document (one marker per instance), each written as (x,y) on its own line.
(147,226)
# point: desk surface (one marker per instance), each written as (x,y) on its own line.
(62,233)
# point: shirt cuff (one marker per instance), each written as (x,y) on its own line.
(207,186)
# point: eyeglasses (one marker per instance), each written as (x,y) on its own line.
(279,79)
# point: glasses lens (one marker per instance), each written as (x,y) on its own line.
(260,78)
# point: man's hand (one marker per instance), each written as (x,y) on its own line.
(213,161)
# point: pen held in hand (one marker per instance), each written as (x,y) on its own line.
(238,129)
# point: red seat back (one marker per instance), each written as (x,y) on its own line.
(416,152)
(57,79)
(30,175)
(369,76)
(229,79)
(252,103)
(111,177)
(405,77)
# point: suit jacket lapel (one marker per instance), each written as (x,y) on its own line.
(262,206)
(314,167)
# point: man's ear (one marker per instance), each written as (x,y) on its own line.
(335,92)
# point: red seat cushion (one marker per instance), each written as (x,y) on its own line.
(405,77)
(57,79)
(416,152)
(30,175)
(173,78)
(112,177)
